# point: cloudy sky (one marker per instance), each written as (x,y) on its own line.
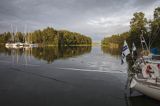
(95,18)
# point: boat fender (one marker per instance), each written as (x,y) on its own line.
(133,83)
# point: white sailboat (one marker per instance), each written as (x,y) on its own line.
(12,43)
(149,89)
(147,77)
(27,43)
(17,45)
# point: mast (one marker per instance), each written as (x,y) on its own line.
(143,42)
(17,39)
(25,34)
(12,38)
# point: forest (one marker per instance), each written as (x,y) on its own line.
(150,28)
(47,36)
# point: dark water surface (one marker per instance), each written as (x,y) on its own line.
(73,76)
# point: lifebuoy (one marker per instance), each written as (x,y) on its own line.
(151,71)
(148,69)
(158,65)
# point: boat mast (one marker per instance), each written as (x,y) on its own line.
(12,34)
(17,39)
(25,39)
(143,42)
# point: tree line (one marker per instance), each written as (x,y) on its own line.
(47,36)
(138,25)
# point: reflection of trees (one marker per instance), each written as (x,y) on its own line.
(112,51)
(117,52)
(66,52)
(50,54)
(4,50)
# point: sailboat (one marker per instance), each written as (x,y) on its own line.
(12,43)
(146,78)
(27,43)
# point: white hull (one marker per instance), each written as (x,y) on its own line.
(30,45)
(13,45)
(148,89)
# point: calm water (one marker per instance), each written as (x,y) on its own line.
(75,76)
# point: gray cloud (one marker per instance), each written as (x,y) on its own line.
(96,18)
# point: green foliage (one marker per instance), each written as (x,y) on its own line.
(115,39)
(155,28)
(157,13)
(19,37)
(137,27)
(72,38)
(5,37)
(48,36)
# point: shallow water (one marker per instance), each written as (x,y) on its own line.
(75,76)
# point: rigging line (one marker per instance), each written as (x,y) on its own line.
(155,36)
(152,37)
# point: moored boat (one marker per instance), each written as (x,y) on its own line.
(146,78)
(149,87)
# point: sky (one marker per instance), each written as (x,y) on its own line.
(94,18)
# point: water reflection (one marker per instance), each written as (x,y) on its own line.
(112,51)
(49,53)
(91,81)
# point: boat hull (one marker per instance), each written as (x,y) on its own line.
(150,90)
